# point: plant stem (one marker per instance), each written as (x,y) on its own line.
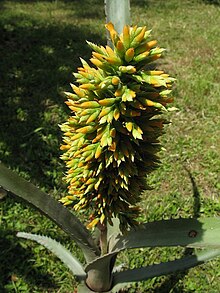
(103,238)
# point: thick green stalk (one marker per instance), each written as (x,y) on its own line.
(118,12)
(103,239)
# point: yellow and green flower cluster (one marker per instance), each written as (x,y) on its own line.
(111,139)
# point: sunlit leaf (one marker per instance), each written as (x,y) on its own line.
(60,251)
(200,233)
(145,273)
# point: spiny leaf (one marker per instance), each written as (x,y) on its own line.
(60,251)
(10,181)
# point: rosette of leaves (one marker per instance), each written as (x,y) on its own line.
(111,139)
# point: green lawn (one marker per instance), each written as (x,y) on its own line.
(41,42)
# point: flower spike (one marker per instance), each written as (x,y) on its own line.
(111,139)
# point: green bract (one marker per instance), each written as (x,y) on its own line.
(111,138)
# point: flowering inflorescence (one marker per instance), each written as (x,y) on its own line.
(111,140)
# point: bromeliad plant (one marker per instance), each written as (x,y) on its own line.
(110,145)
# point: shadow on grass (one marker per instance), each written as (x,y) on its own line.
(196,195)
(212,2)
(140,3)
(173,281)
(38,58)
(24,264)
(15,262)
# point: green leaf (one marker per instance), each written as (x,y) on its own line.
(114,228)
(60,251)
(145,273)
(3,193)
(82,288)
(50,207)
(200,233)
(99,271)
(121,287)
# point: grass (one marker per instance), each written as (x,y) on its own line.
(40,48)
